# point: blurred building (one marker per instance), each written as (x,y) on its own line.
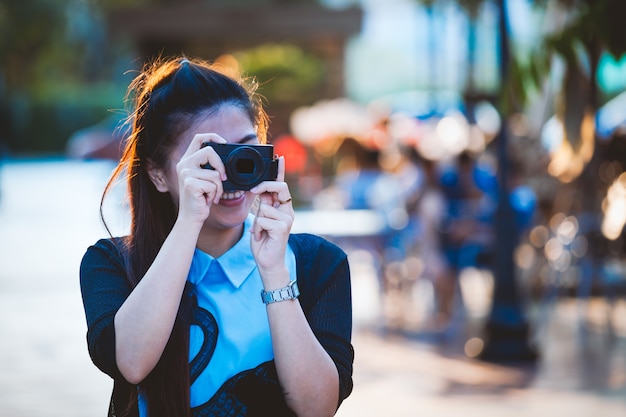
(211,29)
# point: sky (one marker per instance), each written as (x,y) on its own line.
(395,56)
(396,52)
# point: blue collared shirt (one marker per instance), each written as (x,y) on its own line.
(233,298)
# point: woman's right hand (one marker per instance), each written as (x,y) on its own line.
(199,187)
(144,322)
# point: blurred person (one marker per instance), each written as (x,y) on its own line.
(468,229)
(197,311)
(427,207)
(468,226)
(358,169)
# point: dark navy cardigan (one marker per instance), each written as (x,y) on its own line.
(324,282)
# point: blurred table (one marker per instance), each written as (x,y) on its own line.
(340,223)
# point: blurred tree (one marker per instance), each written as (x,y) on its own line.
(506,330)
(28,30)
(579,33)
(301,59)
(591,28)
(55,70)
(472,7)
(60,66)
(287,74)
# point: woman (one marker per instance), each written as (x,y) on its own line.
(174,311)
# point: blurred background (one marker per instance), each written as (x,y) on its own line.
(469,155)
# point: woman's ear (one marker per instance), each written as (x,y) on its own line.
(157,176)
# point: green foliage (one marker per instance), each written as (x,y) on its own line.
(43,123)
(471,6)
(28,28)
(524,80)
(285,73)
(597,27)
(46,127)
(597,21)
(53,54)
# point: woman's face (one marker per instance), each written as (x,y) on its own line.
(234,125)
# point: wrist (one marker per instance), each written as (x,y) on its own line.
(289,292)
(186,228)
(274,279)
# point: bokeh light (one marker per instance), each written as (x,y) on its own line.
(614,207)
(474,347)
(538,236)
(525,256)
(487,118)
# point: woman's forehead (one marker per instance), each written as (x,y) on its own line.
(230,122)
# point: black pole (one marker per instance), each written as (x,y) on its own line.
(506,331)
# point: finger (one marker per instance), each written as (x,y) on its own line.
(200,155)
(201,189)
(216,179)
(265,199)
(281,169)
(207,158)
(278,189)
(271,222)
(273,227)
(275,193)
(261,212)
(257,230)
(199,139)
(197,187)
(206,180)
(272,212)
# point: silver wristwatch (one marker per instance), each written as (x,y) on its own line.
(289,292)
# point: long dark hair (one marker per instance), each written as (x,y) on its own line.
(166,98)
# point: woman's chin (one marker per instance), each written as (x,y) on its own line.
(233,211)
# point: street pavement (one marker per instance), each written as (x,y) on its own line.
(49,215)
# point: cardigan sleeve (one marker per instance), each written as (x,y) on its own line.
(324,282)
(104,289)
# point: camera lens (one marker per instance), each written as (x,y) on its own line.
(244,167)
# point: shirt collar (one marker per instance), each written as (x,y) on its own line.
(237,263)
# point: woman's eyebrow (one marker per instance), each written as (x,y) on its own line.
(248,138)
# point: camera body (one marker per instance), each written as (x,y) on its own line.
(246,165)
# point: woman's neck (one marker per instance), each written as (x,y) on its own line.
(217,242)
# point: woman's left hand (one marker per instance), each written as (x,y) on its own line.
(304,368)
(272,224)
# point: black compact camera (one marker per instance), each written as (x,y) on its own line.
(246,165)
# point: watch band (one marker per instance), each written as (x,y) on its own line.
(289,292)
